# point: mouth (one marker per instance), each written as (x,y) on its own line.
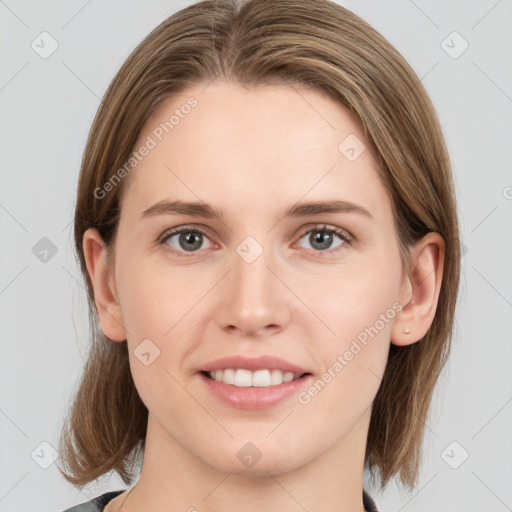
(254,383)
(254,390)
(263,378)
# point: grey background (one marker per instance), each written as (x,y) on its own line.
(47,108)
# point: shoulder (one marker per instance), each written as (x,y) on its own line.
(96,504)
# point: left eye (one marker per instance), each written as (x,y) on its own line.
(322,238)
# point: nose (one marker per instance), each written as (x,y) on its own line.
(254,299)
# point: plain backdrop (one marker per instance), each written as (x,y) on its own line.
(47,107)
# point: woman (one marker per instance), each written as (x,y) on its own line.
(267,226)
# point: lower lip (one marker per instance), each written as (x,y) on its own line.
(254,398)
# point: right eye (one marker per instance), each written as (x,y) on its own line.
(182,240)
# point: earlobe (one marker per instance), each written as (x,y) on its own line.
(102,278)
(420,291)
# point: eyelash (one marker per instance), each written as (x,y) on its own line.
(344,235)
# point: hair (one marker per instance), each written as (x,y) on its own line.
(313,43)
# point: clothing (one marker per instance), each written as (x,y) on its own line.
(99,503)
(368,503)
(96,504)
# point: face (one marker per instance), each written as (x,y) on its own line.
(312,292)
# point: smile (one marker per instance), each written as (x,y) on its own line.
(246,378)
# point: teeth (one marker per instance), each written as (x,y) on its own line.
(258,379)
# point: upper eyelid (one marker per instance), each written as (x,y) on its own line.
(176,231)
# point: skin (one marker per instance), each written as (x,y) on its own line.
(253,153)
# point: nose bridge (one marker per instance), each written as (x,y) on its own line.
(255,298)
(251,272)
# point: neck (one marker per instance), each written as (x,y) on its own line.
(174,478)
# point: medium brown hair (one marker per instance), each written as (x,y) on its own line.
(316,43)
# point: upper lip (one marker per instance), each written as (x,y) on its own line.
(253,364)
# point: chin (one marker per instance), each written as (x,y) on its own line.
(257,458)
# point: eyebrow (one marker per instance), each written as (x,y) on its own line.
(196,209)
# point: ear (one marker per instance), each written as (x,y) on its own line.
(420,291)
(101,273)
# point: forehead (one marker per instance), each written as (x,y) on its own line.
(259,147)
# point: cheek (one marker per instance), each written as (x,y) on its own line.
(151,302)
(161,325)
(350,301)
(358,310)
(155,313)
(352,361)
